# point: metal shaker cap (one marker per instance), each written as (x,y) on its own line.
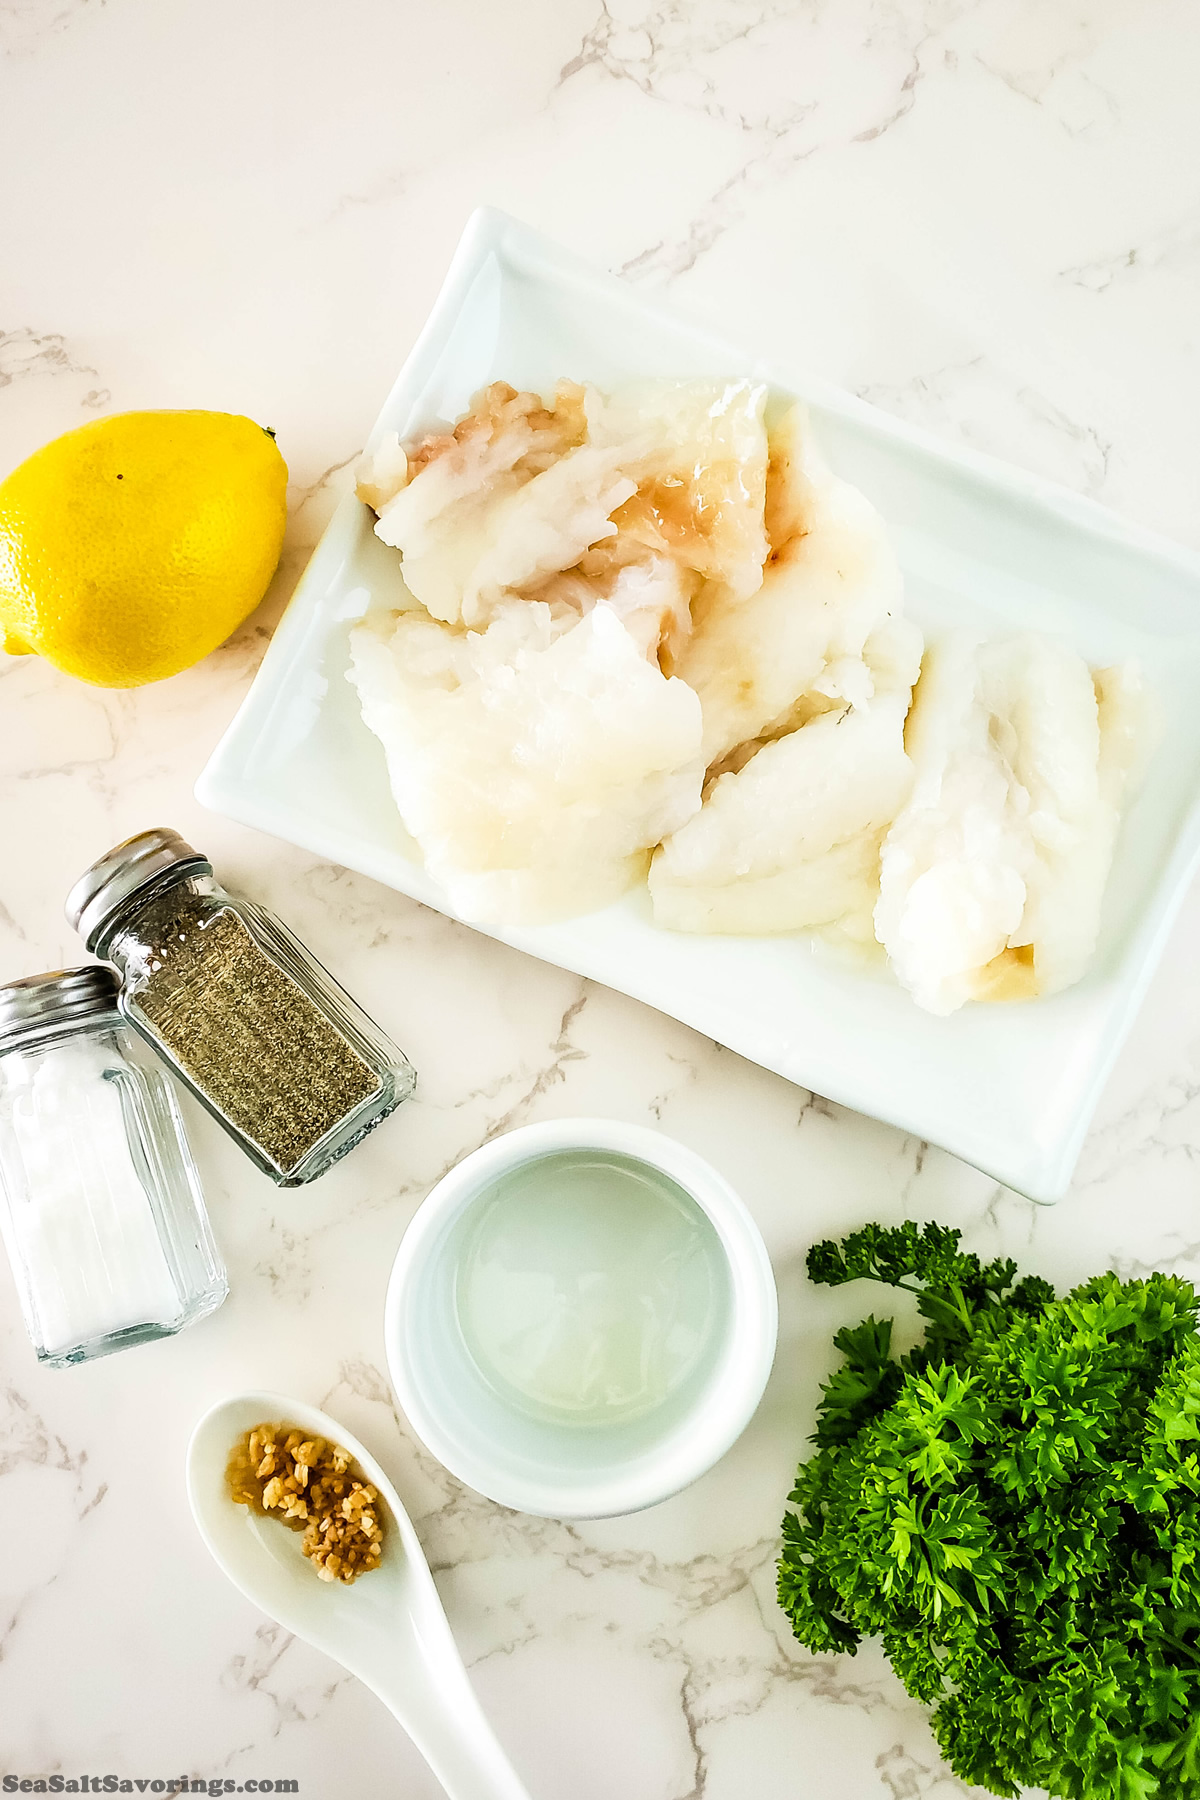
(102,892)
(39,1004)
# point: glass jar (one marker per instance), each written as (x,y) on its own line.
(100,1204)
(279,1053)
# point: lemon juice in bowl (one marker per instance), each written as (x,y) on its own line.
(581,1318)
(590,1287)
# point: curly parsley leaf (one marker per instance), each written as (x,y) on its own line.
(1014,1508)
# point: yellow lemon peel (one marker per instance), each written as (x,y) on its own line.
(133,546)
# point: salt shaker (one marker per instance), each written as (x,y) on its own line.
(279,1053)
(100,1205)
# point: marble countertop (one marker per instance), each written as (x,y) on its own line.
(982,214)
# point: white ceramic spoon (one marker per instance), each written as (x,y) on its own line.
(388,1628)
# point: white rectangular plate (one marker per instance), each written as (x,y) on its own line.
(1008,1088)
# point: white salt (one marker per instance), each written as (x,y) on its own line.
(81,1225)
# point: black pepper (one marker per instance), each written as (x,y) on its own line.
(244,1032)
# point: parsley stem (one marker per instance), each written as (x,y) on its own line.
(963,1312)
(1178,1644)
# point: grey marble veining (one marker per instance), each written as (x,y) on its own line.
(981,214)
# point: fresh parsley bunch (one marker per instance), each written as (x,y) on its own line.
(1014,1508)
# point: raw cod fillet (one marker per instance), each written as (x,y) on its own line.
(651,595)
(519,492)
(618,593)
(790,841)
(539,756)
(698,451)
(444,506)
(992,876)
(545,527)
(804,686)
(536,763)
(831,581)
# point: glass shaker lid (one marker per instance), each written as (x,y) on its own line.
(101,891)
(41,1003)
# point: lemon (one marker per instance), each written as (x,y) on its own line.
(133,546)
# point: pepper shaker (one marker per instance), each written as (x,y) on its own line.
(263,1036)
(100,1204)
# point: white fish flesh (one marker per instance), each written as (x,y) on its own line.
(992,876)
(698,450)
(443,507)
(790,840)
(536,763)
(831,581)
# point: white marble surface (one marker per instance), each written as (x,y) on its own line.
(984,214)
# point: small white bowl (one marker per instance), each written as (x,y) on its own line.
(563,1470)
